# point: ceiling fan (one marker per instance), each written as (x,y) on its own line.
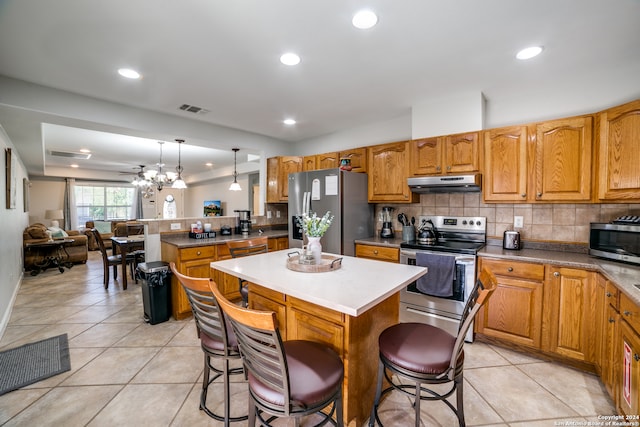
(146,189)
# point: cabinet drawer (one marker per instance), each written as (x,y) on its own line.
(198,253)
(378,252)
(612,295)
(523,270)
(316,310)
(630,312)
(267,293)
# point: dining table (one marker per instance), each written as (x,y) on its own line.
(123,245)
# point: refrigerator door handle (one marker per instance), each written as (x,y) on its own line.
(304,203)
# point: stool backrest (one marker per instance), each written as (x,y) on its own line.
(260,344)
(206,313)
(484,287)
(253,246)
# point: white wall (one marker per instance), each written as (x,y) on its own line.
(217,189)
(45,194)
(455,113)
(13,221)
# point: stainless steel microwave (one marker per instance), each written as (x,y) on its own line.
(620,242)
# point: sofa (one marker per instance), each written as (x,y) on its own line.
(35,233)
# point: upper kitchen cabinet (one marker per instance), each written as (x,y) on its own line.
(445,154)
(320,161)
(278,170)
(358,157)
(388,166)
(562,168)
(309,163)
(505,167)
(619,168)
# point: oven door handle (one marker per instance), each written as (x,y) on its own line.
(437,316)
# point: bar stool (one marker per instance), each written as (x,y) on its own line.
(216,339)
(424,354)
(286,379)
(247,247)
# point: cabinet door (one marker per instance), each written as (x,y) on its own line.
(260,302)
(388,172)
(327,161)
(619,168)
(629,357)
(426,156)
(505,168)
(287,165)
(563,160)
(305,326)
(514,311)
(309,163)
(461,153)
(358,157)
(610,364)
(572,311)
(272,180)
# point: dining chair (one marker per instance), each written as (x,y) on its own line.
(417,354)
(286,379)
(110,260)
(247,247)
(217,340)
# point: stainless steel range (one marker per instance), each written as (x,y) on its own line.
(457,237)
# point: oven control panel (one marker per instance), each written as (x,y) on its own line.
(476,224)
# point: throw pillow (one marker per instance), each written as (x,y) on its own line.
(103,227)
(57,233)
(37,231)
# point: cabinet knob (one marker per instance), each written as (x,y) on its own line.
(510,269)
(612,320)
(375,252)
(539,194)
(524,194)
(556,274)
(627,313)
(448,168)
(608,294)
(438,168)
(198,253)
(636,357)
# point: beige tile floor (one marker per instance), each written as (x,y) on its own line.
(125,372)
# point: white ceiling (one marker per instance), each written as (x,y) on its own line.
(223,56)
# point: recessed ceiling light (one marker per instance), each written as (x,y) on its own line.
(364,19)
(529,52)
(289,122)
(74,166)
(290,59)
(85,150)
(208,164)
(129,73)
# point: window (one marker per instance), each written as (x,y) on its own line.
(103,202)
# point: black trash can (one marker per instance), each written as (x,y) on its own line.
(155,279)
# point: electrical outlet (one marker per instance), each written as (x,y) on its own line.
(518,221)
(268,214)
(175,226)
(277,214)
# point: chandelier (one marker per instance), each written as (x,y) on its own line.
(161,178)
(234,185)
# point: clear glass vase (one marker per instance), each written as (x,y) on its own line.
(316,248)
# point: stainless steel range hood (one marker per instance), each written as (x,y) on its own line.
(446,183)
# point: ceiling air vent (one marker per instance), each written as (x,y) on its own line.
(192,109)
(70,154)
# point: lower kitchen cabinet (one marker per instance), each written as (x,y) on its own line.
(629,368)
(514,311)
(609,362)
(378,253)
(573,314)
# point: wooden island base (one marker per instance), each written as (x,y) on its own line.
(354,338)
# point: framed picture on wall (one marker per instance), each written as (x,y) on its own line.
(212,208)
(10,174)
(25,193)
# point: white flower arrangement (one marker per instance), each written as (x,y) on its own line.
(314,226)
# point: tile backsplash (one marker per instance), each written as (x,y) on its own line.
(542,222)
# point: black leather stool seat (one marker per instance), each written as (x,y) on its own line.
(417,347)
(315,370)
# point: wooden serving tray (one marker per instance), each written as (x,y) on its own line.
(329,263)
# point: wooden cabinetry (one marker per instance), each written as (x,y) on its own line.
(514,311)
(445,154)
(628,396)
(278,243)
(358,157)
(572,314)
(379,253)
(278,170)
(619,151)
(505,167)
(563,160)
(609,360)
(388,166)
(320,161)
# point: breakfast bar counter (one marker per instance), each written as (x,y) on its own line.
(346,308)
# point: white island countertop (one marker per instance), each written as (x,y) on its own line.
(355,287)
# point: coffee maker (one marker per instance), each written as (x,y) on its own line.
(387,222)
(243,222)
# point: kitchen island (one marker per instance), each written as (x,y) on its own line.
(346,308)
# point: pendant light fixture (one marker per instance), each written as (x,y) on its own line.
(179,182)
(158,177)
(234,185)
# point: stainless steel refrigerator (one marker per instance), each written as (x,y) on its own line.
(344,194)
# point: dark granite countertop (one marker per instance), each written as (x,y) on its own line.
(183,241)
